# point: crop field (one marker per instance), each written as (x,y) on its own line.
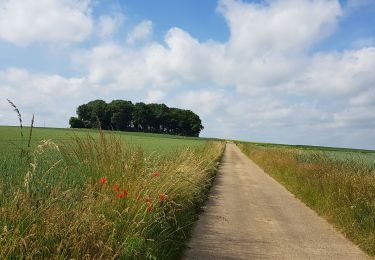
(10,138)
(339,184)
(359,156)
(90,194)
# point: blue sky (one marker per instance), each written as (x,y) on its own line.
(285,71)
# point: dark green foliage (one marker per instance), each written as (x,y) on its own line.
(123,115)
(76,123)
(141,117)
(121,112)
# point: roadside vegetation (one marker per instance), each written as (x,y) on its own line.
(100,195)
(339,187)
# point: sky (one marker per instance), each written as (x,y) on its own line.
(282,71)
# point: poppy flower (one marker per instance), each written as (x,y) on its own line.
(162,197)
(123,194)
(156,174)
(103,180)
(120,195)
(116,187)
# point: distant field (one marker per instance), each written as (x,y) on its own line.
(310,147)
(10,137)
(362,156)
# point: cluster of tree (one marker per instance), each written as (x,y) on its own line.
(123,115)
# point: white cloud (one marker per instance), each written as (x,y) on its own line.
(278,26)
(107,25)
(364,98)
(267,47)
(60,21)
(264,81)
(155,96)
(124,69)
(140,32)
(21,80)
(360,117)
(343,73)
(268,41)
(46,95)
(204,102)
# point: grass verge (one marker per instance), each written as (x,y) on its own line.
(98,197)
(342,191)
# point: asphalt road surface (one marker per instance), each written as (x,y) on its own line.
(251,216)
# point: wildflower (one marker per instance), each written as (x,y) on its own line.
(116,187)
(156,174)
(103,180)
(123,194)
(162,197)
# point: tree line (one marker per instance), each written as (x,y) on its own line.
(122,115)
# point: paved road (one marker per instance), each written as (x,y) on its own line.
(251,216)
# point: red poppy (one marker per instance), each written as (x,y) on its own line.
(123,194)
(103,180)
(156,174)
(120,195)
(162,197)
(116,187)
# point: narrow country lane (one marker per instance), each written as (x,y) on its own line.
(251,216)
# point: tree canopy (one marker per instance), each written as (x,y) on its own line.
(123,115)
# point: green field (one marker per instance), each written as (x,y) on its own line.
(360,156)
(10,138)
(96,194)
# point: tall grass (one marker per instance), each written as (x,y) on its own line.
(343,191)
(24,150)
(96,197)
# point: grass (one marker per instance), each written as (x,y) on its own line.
(101,195)
(310,147)
(338,184)
(10,138)
(360,156)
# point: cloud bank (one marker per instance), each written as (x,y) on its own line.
(266,82)
(60,21)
